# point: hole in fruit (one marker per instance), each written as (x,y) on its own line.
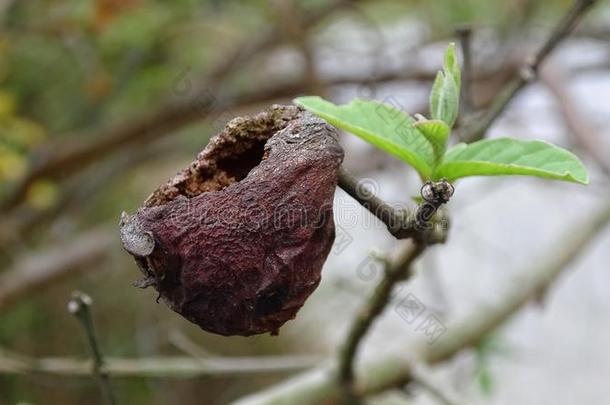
(237,166)
(229,164)
(228,158)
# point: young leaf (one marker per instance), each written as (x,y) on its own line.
(382,125)
(437,133)
(452,66)
(507,156)
(445,94)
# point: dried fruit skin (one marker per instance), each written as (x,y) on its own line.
(236,244)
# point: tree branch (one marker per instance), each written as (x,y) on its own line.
(477,125)
(318,386)
(165,367)
(38,270)
(397,270)
(401,223)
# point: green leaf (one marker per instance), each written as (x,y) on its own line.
(437,133)
(379,124)
(452,66)
(507,156)
(435,94)
(445,94)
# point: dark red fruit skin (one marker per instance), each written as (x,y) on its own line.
(240,255)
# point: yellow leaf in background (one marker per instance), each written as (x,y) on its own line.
(17,134)
(7,104)
(20,132)
(42,194)
(12,164)
(29,133)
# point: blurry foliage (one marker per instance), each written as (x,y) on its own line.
(492,346)
(18,136)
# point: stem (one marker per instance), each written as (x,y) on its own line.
(401,223)
(79,306)
(395,271)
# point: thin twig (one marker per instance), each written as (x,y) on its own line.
(400,222)
(397,270)
(80,306)
(477,126)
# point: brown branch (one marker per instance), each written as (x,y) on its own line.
(394,370)
(395,271)
(478,125)
(401,223)
(39,270)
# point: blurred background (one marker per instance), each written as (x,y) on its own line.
(103,100)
